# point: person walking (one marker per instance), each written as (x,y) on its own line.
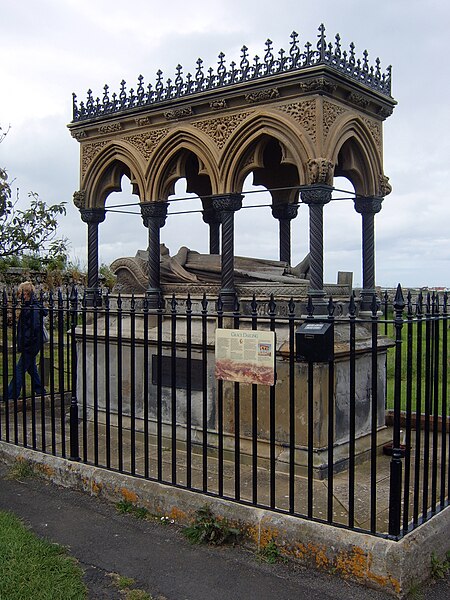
(29,341)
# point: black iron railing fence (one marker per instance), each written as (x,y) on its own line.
(358,439)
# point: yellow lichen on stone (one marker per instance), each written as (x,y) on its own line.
(178,515)
(352,564)
(319,555)
(96,488)
(260,536)
(128,495)
(45,470)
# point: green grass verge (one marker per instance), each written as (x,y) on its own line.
(32,568)
(426,376)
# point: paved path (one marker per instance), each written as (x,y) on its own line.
(159,558)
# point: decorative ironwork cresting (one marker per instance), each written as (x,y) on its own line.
(329,55)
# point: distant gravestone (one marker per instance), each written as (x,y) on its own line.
(345,278)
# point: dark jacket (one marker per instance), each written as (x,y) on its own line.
(30,326)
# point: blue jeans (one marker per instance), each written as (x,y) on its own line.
(25,364)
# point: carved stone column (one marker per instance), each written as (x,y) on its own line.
(285,213)
(316,196)
(367,208)
(226,205)
(154,217)
(92,216)
(212,218)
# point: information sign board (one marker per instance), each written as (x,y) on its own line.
(245,356)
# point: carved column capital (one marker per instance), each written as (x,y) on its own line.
(320,170)
(316,194)
(211,216)
(92,215)
(368,206)
(155,212)
(227,202)
(285,211)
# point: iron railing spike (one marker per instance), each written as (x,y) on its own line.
(331,307)
(352,305)
(399,299)
(291,306)
(204,302)
(272,305)
(310,307)
(374,305)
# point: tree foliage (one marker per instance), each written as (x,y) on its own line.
(29,231)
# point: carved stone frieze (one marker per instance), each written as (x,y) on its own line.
(110,128)
(79,135)
(320,84)
(320,170)
(178,113)
(375,130)
(221,128)
(384,187)
(218,104)
(305,114)
(141,122)
(330,113)
(146,142)
(358,100)
(88,153)
(262,95)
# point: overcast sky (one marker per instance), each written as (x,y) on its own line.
(51,48)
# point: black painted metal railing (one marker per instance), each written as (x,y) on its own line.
(360,441)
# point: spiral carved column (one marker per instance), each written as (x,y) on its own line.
(92,216)
(367,208)
(226,205)
(154,217)
(316,196)
(285,213)
(212,218)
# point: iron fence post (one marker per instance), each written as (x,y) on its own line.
(395,486)
(74,441)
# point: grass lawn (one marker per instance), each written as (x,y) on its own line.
(32,568)
(432,373)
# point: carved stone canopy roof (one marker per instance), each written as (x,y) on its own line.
(323,68)
(293,118)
